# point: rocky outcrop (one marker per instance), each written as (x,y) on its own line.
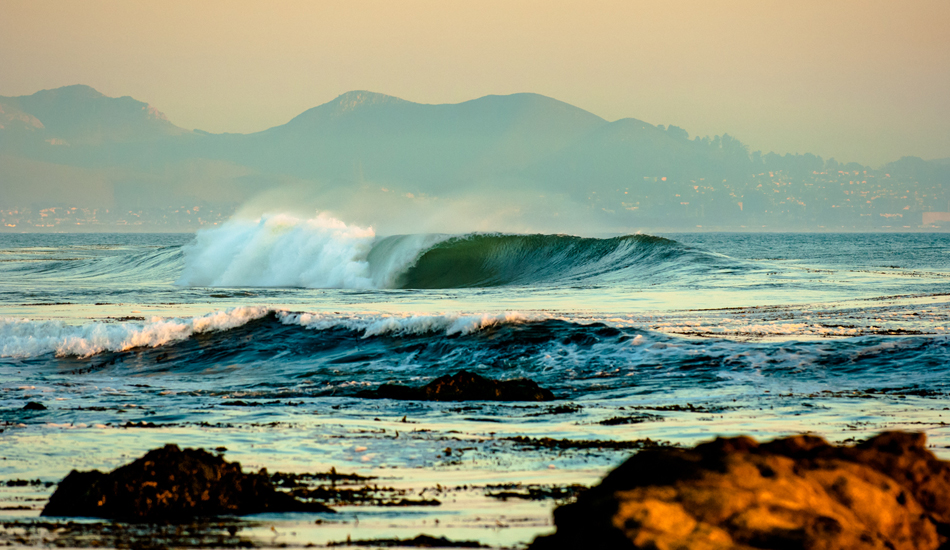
(464,386)
(170,484)
(794,493)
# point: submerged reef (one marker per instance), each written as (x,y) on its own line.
(170,484)
(797,493)
(464,386)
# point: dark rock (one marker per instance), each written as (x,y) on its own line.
(170,484)
(421,541)
(34,406)
(464,386)
(799,492)
(534,492)
(551,443)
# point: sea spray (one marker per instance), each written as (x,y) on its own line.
(323,252)
(280,251)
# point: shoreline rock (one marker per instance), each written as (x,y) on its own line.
(464,386)
(170,484)
(798,493)
(420,541)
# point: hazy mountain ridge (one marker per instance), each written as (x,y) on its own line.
(80,115)
(365,136)
(625,174)
(16,119)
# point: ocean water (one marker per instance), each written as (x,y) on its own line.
(256,335)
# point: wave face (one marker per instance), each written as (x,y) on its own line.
(283,251)
(491,260)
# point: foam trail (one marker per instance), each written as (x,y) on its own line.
(22,338)
(280,251)
(449,324)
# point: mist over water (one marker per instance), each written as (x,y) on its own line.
(490,205)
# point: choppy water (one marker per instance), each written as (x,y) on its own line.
(255,336)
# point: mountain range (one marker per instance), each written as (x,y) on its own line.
(75,147)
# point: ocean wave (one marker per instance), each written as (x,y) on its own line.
(450,325)
(24,338)
(280,251)
(311,352)
(284,251)
(482,260)
(84,264)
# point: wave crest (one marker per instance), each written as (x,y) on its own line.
(24,338)
(21,338)
(280,251)
(284,251)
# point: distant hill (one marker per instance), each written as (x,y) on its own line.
(918,169)
(626,153)
(364,136)
(499,157)
(367,136)
(80,115)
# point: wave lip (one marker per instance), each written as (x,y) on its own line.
(284,251)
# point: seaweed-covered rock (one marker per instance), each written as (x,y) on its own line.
(34,406)
(170,484)
(464,386)
(794,493)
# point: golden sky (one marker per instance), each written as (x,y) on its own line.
(866,80)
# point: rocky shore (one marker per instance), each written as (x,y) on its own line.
(888,492)
(171,484)
(794,493)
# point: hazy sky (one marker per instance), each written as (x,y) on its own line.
(858,80)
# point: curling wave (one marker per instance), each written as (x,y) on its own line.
(283,251)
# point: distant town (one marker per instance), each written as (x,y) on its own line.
(848,200)
(842,200)
(65,218)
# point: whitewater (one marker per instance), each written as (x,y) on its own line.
(259,335)
(323,252)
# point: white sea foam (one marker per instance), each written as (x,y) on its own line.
(280,251)
(23,338)
(285,251)
(375,325)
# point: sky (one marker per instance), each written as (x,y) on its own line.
(865,81)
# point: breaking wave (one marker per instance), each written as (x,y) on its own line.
(284,251)
(265,350)
(24,338)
